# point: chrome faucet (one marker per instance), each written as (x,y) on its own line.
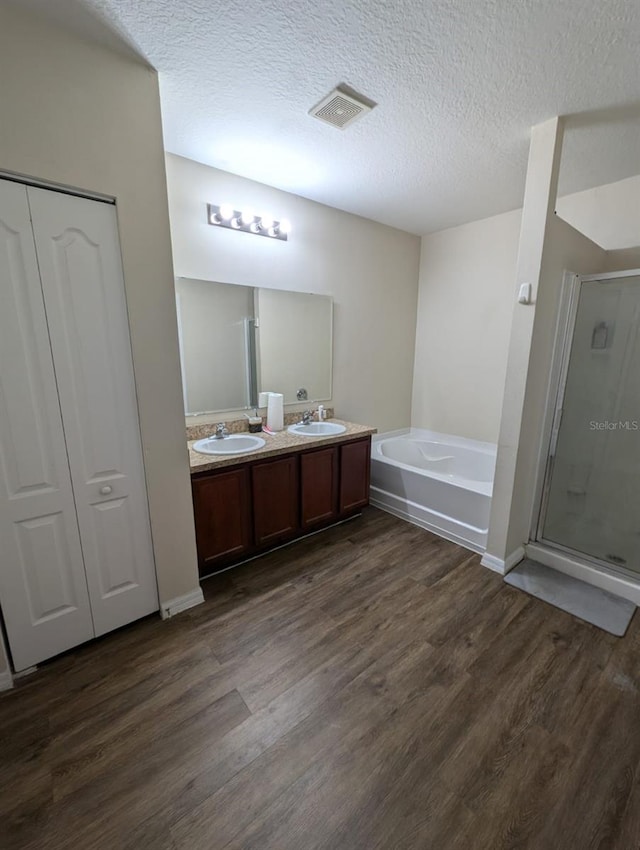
(307,417)
(221,431)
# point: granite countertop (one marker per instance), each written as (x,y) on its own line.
(276,444)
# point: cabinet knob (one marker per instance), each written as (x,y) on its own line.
(104,491)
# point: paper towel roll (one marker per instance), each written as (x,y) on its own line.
(275,412)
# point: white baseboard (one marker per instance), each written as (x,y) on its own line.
(6,680)
(498,565)
(28,671)
(492,563)
(181,603)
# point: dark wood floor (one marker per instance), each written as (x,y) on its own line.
(370,687)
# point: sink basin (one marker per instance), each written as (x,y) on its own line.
(234,444)
(317,429)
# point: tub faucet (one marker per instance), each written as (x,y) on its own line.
(221,431)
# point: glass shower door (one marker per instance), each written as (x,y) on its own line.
(592,490)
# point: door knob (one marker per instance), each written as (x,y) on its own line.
(104,491)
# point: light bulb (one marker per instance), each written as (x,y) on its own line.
(236,222)
(285,226)
(226,211)
(248,216)
(215,218)
(266,221)
(273,231)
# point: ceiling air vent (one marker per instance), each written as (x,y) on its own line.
(342,107)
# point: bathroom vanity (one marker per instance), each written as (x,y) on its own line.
(291,487)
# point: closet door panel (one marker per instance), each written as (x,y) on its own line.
(79,256)
(43,589)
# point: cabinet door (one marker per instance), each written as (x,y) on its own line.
(275,500)
(355,462)
(222,516)
(318,487)
(79,256)
(43,590)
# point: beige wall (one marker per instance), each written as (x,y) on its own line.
(565,250)
(82,116)
(609,215)
(461,351)
(467,280)
(624,259)
(537,219)
(370,270)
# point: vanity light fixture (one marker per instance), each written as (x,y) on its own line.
(247,221)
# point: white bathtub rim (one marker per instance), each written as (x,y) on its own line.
(438,437)
(485,488)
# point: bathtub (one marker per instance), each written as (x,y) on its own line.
(436,481)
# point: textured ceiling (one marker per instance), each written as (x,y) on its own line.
(458,84)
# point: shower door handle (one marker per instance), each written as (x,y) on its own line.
(555,431)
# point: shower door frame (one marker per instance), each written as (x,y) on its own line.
(565,330)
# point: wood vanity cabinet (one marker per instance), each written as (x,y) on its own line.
(355,468)
(275,500)
(318,487)
(222,513)
(249,508)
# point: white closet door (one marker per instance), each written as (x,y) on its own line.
(80,266)
(43,589)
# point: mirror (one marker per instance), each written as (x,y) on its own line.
(237,341)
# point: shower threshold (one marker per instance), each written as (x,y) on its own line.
(605,576)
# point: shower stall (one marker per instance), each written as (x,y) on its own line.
(589,516)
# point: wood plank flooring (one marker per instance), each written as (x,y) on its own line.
(369,688)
